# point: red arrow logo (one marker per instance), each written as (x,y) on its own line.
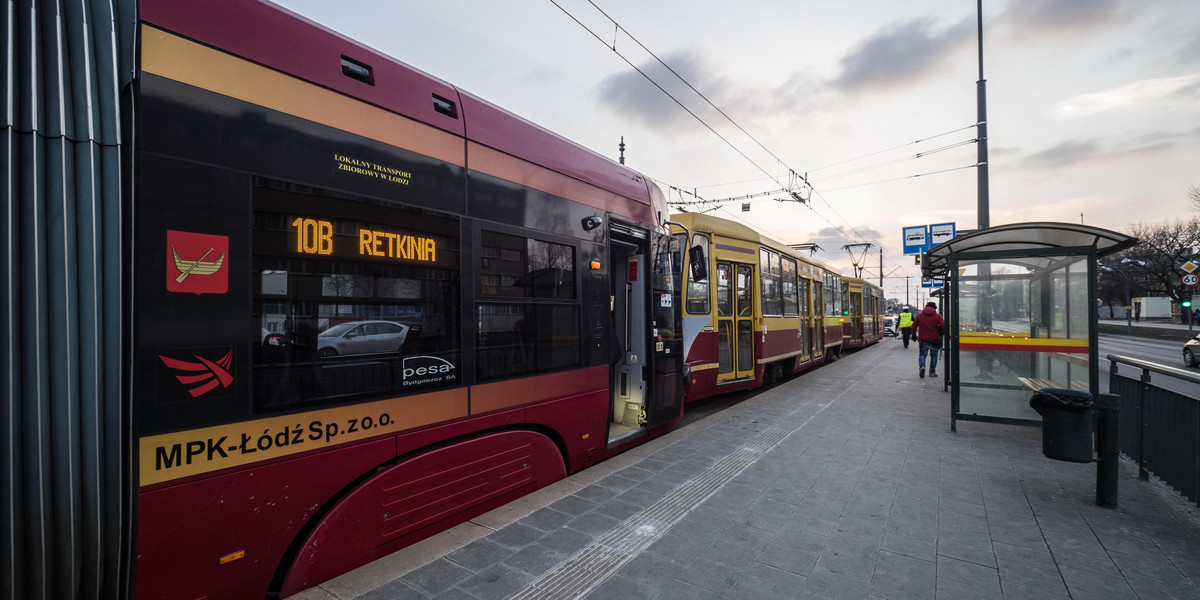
(202,376)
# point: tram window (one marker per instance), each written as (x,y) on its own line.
(724,291)
(804,301)
(828,306)
(518,339)
(540,334)
(698,291)
(790,288)
(348,293)
(743,293)
(519,267)
(833,295)
(769,271)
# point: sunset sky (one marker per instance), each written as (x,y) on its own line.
(1093,105)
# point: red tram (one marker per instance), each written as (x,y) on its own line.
(294,305)
(368,306)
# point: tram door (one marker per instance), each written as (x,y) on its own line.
(819,310)
(735,322)
(856,317)
(631,274)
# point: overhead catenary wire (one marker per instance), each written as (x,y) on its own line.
(701,201)
(868,155)
(664,91)
(899,160)
(689,85)
(970,166)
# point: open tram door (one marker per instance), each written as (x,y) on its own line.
(646,347)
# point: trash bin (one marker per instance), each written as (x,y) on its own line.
(1067,423)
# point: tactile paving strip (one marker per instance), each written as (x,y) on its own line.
(597,561)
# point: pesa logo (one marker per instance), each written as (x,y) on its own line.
(427,369)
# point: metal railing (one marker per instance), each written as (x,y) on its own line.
(1160,428)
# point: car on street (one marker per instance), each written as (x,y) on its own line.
(1190,349)
(890,326)
(361,337)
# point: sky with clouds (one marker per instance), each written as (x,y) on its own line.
(1093,106)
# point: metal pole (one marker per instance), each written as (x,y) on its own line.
(1128,307)
(1143,388)
(1108,428)
(981,127)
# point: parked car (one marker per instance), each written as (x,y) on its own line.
(890,326)
(361,337)
(1190,349)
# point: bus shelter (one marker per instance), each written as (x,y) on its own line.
(1020,309)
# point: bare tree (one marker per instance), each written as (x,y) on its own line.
(1111,291)
(1193,194)
(1154,266)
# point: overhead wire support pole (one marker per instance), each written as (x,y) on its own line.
(982,135)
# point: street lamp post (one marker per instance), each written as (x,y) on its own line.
(1128,300)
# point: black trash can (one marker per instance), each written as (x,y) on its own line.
(1067,423)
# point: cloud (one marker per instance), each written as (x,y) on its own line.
(631,95)
(831,239)
(894,57)
(901,54)
(1067,153)
(1026,18)
(1079,152)
(1152,94)
(1190,52)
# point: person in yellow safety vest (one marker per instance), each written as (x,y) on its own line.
(906,321)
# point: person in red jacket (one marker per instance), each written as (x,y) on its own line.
(929,327)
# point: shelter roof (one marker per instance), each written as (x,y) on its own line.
(1035,238)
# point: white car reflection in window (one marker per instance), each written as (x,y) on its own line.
(361,337)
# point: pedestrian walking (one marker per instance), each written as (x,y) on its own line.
(906,321)
(930,327)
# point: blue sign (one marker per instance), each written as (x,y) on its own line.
(939,233)
(933,282)
(916,239)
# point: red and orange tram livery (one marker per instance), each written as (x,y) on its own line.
(863,309)
(754,310)
(303,305)
(368,306)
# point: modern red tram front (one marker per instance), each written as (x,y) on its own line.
(366,305)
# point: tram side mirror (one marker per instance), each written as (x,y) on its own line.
(699,263)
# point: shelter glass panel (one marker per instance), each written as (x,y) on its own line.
(1022,326)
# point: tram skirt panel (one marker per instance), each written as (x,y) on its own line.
(422,496)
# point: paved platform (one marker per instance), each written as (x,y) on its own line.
(844,482)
